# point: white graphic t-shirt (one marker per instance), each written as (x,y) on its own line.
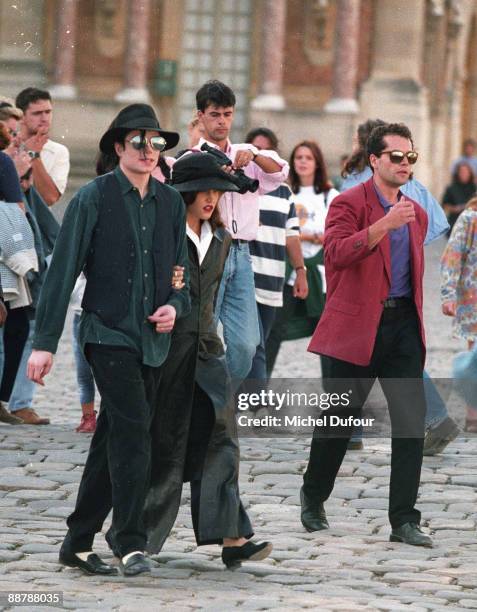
(311,210)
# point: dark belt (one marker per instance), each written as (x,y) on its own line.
(398,302)
(239,241)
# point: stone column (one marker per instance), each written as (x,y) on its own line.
(135,73)
(63,86)
(345,65)
(272,56)
(394,90)
(398,40)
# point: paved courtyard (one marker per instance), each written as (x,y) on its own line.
(352,566)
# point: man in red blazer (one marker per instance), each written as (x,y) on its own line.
(372,327)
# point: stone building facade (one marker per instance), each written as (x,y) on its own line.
(306,68)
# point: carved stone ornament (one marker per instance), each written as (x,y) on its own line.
(319,18)
(110,18)
(456,18)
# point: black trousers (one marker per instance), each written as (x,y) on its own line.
(201,426)
(117,470)
(397,355)
(15,334)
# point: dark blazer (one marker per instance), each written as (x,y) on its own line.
(196,359)
(358,278)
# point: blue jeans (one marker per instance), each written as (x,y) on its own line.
(266,317)
(84,376)
(436,410)
(24,388)
(237,310)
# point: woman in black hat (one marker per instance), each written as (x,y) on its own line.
(194,431)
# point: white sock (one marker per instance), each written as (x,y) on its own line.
(126,557)
(84,555)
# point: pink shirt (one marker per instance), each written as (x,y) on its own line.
(157,172)
(244,208)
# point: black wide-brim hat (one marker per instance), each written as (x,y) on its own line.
(135,117)
(200,172)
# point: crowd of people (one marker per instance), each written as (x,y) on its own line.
(154,252)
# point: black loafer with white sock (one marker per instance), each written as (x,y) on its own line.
(135,564)
(93,564)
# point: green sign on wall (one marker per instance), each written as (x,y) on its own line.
(165,79)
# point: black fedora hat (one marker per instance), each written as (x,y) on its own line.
(200,172)
(135,117)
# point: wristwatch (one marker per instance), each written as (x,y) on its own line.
(33,154)
(301,268)
(254,151)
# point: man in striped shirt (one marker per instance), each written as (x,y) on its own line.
(277,235)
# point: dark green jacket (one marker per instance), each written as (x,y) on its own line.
(69,256)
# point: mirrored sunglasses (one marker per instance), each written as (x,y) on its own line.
(155,142)
(396,157)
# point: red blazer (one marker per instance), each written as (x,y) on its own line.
(359,279)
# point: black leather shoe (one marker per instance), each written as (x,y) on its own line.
(410,533)
(137,564)
(233,556)
(313,516)
(93,564)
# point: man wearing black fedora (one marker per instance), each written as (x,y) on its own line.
(127,231)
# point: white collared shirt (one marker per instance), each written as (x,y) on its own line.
(56,159)
(203,241)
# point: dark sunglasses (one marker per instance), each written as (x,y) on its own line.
(396,157)
(139,142)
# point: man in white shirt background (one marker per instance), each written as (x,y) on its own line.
(50,159)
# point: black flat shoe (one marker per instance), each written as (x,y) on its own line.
(232,556)
(410,533)
(137,564)
(93,564)
(313,516)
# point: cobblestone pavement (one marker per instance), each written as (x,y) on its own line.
(352,566)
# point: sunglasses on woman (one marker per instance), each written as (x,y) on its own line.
(138,142)
(396,157)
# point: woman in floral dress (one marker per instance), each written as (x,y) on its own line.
(459,284)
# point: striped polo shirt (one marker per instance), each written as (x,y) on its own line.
(278,221)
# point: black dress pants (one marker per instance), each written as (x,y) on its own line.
(201,426)
(117,470)
(397,355)
(15,334)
